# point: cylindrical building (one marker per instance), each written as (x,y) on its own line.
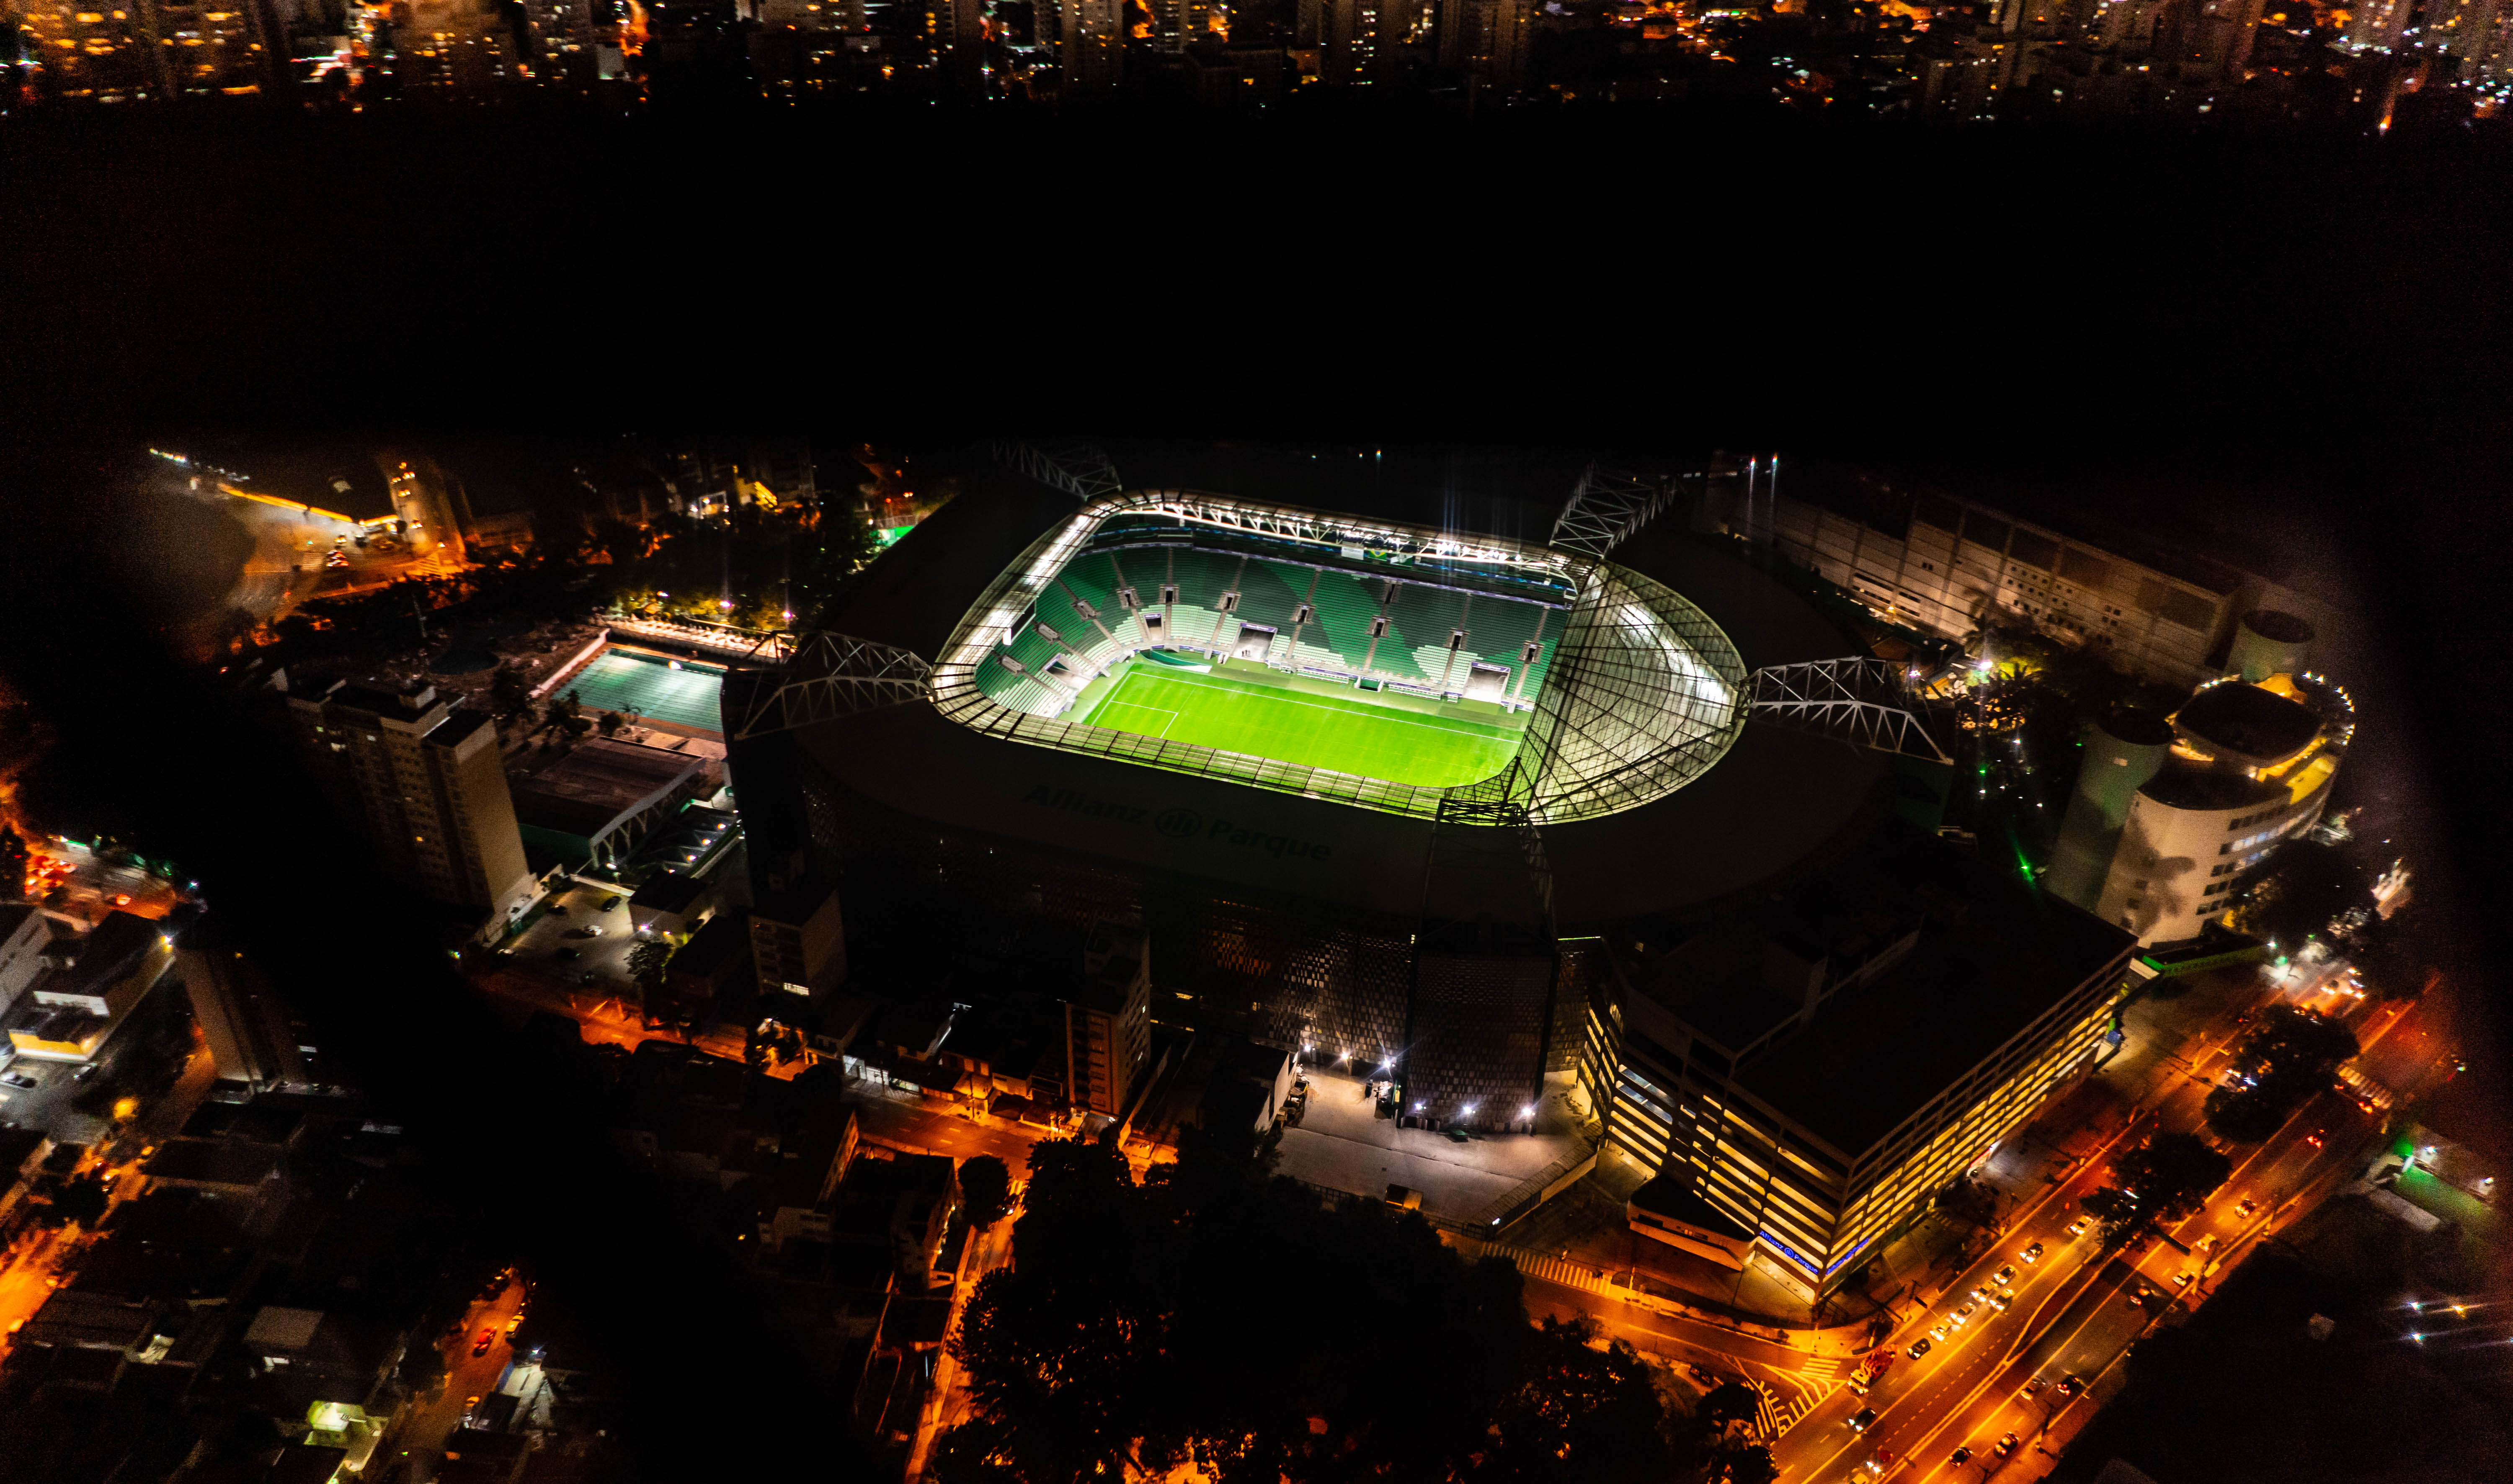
(2268,643)
(2122,751)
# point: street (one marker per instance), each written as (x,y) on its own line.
(2065,1319)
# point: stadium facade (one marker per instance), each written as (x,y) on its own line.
(1024,708)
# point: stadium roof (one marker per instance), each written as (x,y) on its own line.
(1775,802)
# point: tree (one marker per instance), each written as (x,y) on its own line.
(2173,1174)
(1140,1328)
(2287,1057)
(610,723)
(647,964)
(509,695)
(1752,1465)
(984,1186)
(1730,1401)
(2299,890)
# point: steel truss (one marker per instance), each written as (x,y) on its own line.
(1644,696)
(1079,469)
(1605,507)
(1857,698)
(830,676)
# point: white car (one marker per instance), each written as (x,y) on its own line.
(2032,1254)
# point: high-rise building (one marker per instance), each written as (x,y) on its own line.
(1487,39)
(1092,49)
(147,49)
(1807,1076)
(430,783)
(1108,1020)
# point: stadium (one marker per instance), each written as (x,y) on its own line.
(1370,760)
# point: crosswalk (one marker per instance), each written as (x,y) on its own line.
(1786,1398)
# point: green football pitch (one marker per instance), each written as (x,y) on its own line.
(1347,734)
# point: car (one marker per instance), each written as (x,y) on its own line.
(1704,1374)
(1959,1458)
(2005,1299)
(567,954)
(2070,1385)
(1919,1348)
(2033,1387)
(2138,1297)
(592,932)
(87,1073)
(2317,1138)
(17,1079)
(488,1338)
(1866,1416)
(2248,1206)
(1962,1316)
(2207,1243)
(2078,1226)
(2185,1279)
(2032,1254)
(558,909)
(2006,1276)
(1939,1330)
(2007,1445)
(1981,1292)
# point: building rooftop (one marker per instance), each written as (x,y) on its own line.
(2256,723)
(1992,954)
(597,784)
(670,891)
(726,934)
(214,1161)
(1879,1053)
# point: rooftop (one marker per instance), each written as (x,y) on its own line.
(591,787)
(1993,955)
(2253,722)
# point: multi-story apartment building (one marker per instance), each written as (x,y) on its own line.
(113,51)
(429,784)
(1108,1020)
(1948,565)
(1812,1073)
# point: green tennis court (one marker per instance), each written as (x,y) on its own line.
(618,681)
(1348,735)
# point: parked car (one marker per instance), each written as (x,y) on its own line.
(17,1079)
(2004,1299)
(1962,1316)
(2070,1385)
(488,1338)
(87,1073)
(610,904)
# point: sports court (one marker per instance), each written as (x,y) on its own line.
(1345,733)
(684,694)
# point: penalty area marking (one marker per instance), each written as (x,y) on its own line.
(1100,718)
